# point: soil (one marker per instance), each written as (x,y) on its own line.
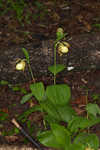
(80,20)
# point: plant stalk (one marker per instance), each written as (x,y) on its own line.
(31,72)
(55,46)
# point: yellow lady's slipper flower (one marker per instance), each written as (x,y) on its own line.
(21,65)
(66,44)
(63,48)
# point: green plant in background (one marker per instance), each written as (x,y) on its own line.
(97,26)
(4,82)
(96,97)
(14,88)
(24,116)
(21,10)
(10,132)
(3,116)
(42,11)
(17,6)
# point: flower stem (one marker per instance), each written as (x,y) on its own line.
(31,72)
(55,46)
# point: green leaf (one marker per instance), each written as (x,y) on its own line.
(58,137)
(75,147)
(48,139)
(87,139)
(62,135)
(3,116)
(96,25)
(51,110)
(81,123)
(93,109)
(26,54)
(10,132)
(58,94)
(16,130)
(57,113)
(39,5)
(96,97)
(25,98)
(29,124)
(49,119)
(66,113)
(23,90)
(60,35)
(38,90)
(3,82)
(56,69)
(16,88)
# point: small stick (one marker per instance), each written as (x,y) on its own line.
(25,134)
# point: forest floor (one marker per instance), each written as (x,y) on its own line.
(75,17)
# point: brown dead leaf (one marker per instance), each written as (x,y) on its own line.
(12,25)
(11,138)
(82,20)
(87,26)
(36,117)
(79,111)
(82,100)
(31,103)
(17,39)
(5,110)
(55,17)
(49,3)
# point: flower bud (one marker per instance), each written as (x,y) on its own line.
(60,33)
